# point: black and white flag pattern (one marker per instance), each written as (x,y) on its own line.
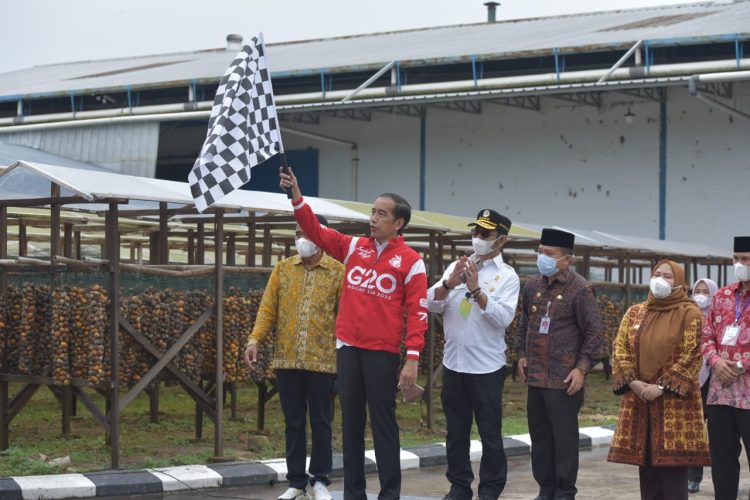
(243,130)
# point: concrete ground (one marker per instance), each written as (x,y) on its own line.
(597,480)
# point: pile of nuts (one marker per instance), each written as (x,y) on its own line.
(64,333)
(611,313)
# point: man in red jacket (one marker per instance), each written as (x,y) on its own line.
(385,285)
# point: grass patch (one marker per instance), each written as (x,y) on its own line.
(35,434)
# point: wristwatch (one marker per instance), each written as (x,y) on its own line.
(445,285)
(740,367)
(660,387)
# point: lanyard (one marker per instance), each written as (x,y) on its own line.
(737,311)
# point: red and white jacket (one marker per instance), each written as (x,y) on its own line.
(378,291)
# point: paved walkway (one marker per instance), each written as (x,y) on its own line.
(423,477)
(597,480)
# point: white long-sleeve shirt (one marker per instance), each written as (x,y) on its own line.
(475,338)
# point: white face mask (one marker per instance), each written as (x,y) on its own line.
(742,272)
(482,247)
(660,288)
(703,301)
(305,247)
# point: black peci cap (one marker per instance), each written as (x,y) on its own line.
(489,219)
(742,243)
(557,238)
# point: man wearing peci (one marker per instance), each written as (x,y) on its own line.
(477,296)
(559,340)
(384,293)
(726,349)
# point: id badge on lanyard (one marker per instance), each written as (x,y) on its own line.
(732,332)
(544,324)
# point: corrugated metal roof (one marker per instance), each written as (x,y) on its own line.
(30,180)
(11,153)
(637,244)
(680,24)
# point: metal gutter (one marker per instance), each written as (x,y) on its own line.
(544,84)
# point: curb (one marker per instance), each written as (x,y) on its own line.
(266,472)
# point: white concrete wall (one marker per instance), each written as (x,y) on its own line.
(708,173)
(566,164)
(388,148)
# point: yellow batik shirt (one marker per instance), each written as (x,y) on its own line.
(301,306)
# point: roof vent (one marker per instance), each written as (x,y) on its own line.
(491,8)
(234,42)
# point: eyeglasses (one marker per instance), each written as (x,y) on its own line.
(481,231)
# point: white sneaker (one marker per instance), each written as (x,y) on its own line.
(295,494)
(320,492)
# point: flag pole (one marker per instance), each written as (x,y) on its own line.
(285,167)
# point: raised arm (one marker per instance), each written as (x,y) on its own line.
(332,242)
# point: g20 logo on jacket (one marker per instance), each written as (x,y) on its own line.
(369,279)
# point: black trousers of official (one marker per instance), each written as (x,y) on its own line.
(468,396)
(367,382)
(303,391)
(726,426)
(553,427)
(661,483)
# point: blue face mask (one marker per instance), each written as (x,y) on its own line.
(547,265)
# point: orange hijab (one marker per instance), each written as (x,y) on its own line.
(665,324)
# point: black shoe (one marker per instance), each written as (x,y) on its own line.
(542,497)
(486,497)
(451,496)
(694,486)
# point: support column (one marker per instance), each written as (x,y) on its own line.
(163,244)
(250,258)
(113,237)
(663,166)
(22,243)
(422,156)
(200,255)
(219,319)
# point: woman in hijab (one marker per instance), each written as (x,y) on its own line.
(703,291)
(655,367)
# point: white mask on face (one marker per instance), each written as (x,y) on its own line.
(305,247)
(482,247)
(742,272)
(703,301)
(660,288)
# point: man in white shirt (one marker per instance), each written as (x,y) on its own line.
(478,296)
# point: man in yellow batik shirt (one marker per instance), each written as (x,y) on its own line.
(300,302)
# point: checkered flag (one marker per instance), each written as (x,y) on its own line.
(243,130)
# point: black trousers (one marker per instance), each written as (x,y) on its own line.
(726,426)
(466,397)
(367,381)
(301,391)
(553,426)
(661,483)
